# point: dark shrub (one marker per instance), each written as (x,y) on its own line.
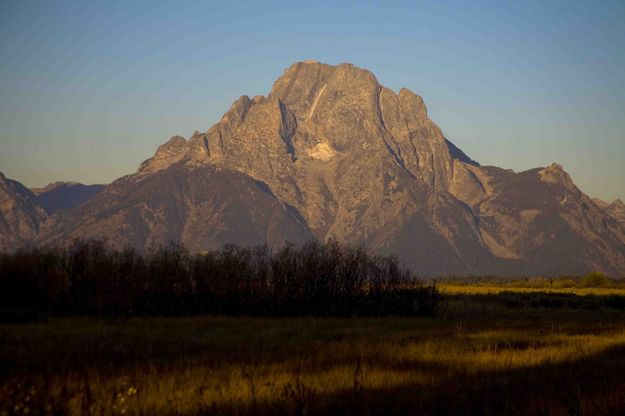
(595,280)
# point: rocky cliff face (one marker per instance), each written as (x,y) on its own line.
(615,209)
(367,166)
(330,153)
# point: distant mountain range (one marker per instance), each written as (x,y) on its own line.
(330,153)
(64,195)
(23,211)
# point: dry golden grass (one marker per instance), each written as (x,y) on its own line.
(569,362)
(458,289)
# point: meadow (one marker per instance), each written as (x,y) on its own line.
(319,329)
(494,289)
(493,353)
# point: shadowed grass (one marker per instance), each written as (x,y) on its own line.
(529,360)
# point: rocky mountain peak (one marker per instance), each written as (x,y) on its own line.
(318,112)
(170,152)
(555,174)
(175,142)
(413,102)
(331,153)
(52,186)
(617,210)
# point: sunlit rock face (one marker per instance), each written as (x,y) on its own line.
(615,209)
(330,153)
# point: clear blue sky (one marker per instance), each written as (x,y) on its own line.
(89,89)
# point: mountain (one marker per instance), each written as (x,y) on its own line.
(330,153)
(20,216)
(615,209)
(64,195)
(202,206)
(23,211)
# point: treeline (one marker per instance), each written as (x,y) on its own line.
(89,278)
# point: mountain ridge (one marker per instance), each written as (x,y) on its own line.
(615,209)
(339,156)
(24,211)
(64,195)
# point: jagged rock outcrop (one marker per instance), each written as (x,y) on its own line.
(615,209)
(330,153)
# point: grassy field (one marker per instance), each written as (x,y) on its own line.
(486,289)
(488,353)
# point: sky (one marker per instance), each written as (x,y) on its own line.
(88,90)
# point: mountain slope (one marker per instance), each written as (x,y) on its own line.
(203,208)
(542,217)
(20,216)
(64,195)
(347,158)
(615,209)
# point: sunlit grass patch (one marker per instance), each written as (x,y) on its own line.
(475,289)
(208,365)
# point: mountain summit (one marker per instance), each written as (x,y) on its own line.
(330,153)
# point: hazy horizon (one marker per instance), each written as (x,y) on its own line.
(90,91)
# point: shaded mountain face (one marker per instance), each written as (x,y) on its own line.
(203,207)
(65,195)
(23,211)
(330,153)
(20,216)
